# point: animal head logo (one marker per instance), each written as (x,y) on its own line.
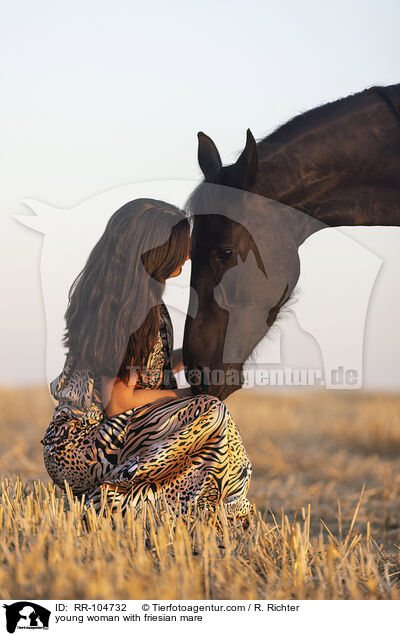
(25,615)
(337,276)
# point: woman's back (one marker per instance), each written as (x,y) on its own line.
(79,391)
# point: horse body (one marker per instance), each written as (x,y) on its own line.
(338,164)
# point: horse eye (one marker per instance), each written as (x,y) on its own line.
(224,254)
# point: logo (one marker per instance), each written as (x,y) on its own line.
(26,615)
(322,332)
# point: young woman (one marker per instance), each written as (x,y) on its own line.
(122,427)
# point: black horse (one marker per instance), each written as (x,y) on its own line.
(338,164)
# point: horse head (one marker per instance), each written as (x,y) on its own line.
(245,266)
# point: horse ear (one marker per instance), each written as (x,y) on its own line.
(243,172)
(208,156)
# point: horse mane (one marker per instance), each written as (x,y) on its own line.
(319,115)
(392,96)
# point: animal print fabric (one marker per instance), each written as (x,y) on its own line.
(185,449)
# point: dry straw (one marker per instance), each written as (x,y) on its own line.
(325,485)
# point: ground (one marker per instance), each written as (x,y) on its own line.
(325,489)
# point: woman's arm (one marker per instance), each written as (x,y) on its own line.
(117,397)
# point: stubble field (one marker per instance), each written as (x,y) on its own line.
(325,488)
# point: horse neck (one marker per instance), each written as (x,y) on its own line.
(340,163)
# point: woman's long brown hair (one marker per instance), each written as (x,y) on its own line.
(113,317)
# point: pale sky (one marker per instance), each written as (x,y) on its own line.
(97,95)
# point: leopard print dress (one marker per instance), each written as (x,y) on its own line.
(186,449)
